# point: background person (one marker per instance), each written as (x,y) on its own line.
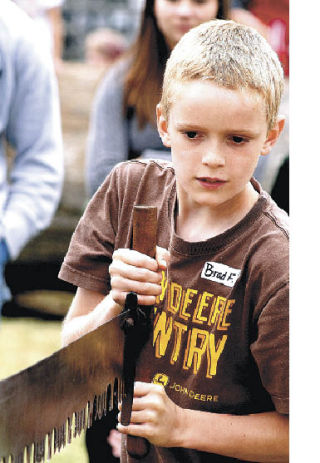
(47,18)
(123,124)
(103,47)
(31,178)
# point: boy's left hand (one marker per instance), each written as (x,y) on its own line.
(154,416)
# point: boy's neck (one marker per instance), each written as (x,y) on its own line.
(200,223)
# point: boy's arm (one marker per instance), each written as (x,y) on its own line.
(129,271)
(89,309)
(261,437)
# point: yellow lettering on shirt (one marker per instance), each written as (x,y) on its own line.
(222,324)
(164,286)
(175,294)
(175,334)
(217,310)
(214,352)
(162,334)
(179,329)
(202,305)
(189,295)
(197,347)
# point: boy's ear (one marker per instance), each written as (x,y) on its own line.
(163,127)
(273,135)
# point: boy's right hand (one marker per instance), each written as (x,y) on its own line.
(132,271)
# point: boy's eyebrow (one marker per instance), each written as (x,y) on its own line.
(187,125)
(194,126)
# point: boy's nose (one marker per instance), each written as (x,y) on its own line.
(213,158)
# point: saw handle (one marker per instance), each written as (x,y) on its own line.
(144,233)
(144,240)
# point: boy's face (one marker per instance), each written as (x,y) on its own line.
(216,136)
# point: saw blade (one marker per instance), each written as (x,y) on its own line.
(44,406)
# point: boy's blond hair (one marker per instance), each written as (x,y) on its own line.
(229,54)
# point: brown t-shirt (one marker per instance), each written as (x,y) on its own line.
(220,340)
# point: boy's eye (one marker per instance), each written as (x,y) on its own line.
(191,134)
(238,140)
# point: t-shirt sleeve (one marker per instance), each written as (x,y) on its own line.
(271,348)
(87,261)
(106,224)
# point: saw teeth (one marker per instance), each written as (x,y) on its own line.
(56,439)
(51,442)
(28,454)
(90,414)
(69,421)
(39,452)
(50,439)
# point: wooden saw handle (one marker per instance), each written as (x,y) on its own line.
(144,241)
(145,230)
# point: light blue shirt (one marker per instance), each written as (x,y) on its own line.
(30,183)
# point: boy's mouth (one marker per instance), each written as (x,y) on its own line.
(211,182)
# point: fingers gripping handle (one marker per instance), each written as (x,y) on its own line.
(145,241)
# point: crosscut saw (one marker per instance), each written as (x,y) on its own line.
(44,406)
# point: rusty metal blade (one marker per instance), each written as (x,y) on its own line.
(44,406)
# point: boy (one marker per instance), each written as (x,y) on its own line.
(213,384)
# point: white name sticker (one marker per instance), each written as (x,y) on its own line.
(220,273)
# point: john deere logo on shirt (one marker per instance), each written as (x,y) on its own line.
(161,379)
(220,273)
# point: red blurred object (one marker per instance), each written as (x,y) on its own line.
(275,14)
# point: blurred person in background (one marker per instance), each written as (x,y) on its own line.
(271,19)
(103,47)
(31,175)
(123,126)
(123,122)
(48,21)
